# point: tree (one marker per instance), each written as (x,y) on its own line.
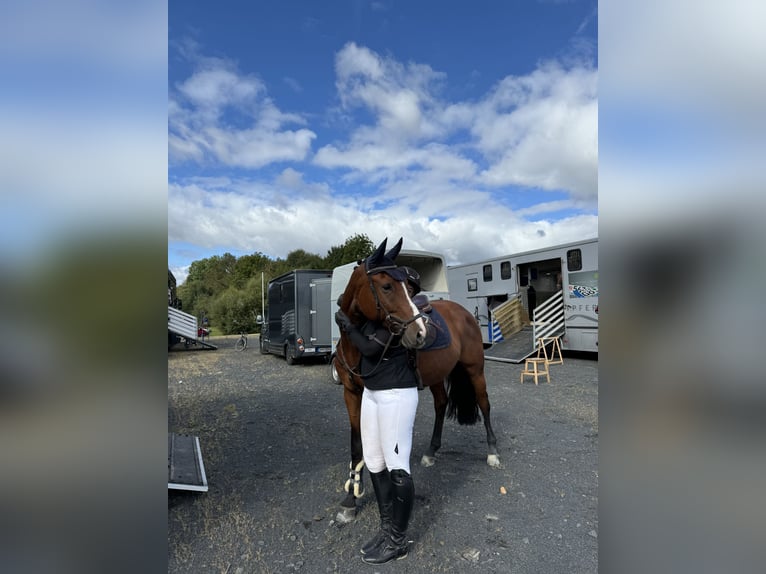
(249,266)
(356,247)
(228,288)
(299,259)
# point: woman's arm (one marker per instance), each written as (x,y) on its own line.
(370,345)
(371,342)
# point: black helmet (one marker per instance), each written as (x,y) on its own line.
(413,278)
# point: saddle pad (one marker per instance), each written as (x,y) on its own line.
(443,336)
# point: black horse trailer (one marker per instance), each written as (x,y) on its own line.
(298,315)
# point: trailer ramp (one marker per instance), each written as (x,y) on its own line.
(185,325)
(516,341)
(186,471)
(513,348)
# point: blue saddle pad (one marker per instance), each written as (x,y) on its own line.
(443,337)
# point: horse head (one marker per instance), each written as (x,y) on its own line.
(377,291)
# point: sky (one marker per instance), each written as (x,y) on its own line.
(468,129)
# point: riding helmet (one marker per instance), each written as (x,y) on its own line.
(413,278)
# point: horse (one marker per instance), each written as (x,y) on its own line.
(454,374)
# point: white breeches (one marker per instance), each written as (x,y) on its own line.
(388,418)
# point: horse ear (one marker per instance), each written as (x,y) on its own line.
(376,257)
(395,250)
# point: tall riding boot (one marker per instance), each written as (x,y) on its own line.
(381,484)
(395,545)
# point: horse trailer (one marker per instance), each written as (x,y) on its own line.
(298,318)
(555,290)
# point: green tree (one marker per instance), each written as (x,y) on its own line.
(229,290)
(249,266)
(300,259)
(206,280)
(356,247)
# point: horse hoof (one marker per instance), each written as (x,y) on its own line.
(427,460)
(493,460)
(345,515)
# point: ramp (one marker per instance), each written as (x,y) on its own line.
(509,317)
(185,325)
(186,470)
(514,348)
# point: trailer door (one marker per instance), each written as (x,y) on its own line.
(321,319)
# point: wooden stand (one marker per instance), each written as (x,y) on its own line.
(542,351)
(535,368)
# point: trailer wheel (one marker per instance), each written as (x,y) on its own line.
(264,350)
(289,355)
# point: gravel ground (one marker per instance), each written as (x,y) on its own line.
(275,442)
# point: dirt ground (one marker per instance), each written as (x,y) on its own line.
(275,443)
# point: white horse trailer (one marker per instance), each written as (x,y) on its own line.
(556,287)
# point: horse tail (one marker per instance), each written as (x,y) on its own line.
(461,403)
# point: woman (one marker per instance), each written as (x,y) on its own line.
(389,403)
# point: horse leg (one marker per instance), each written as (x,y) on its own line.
(440,409)
(480,387)
(354,485)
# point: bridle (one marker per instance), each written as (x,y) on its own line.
(396,326)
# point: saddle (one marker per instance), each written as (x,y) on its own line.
(437,337)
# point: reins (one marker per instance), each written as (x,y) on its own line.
(375,368)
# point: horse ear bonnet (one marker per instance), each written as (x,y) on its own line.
(383,261)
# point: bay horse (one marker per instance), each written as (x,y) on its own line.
(454,374)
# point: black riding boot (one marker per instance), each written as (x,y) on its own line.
(381,484)
(395,546)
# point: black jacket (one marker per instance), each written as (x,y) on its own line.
(394,371)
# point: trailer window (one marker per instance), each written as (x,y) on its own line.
(574,259)
(473,284)
(505,270)
(487,271)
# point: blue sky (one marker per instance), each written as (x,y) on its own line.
(468,129)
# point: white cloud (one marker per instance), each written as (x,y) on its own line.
(538,130)
(180,272)
(294,84)
(272,218)
(200,129)
(541,131)
(399,95)
(215,88)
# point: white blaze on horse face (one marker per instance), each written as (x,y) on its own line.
(421,336)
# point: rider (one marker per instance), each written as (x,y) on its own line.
(389,403)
